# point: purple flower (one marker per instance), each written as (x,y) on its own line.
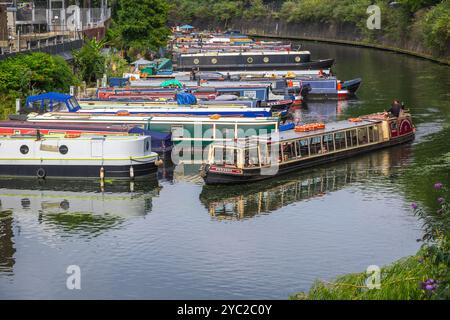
(438,185)
(414,205)
(440,200)
(429,287)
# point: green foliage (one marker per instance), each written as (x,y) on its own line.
(414,5)
(116,66)
(256,10)
(399,281)
(89,61)
(142,24)
(436,27)
(30,74)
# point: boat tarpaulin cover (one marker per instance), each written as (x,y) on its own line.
(186,98)
(171,83)
(161,141)
(286,127)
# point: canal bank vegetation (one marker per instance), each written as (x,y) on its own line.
(139,27)
(419,25)
(424,276)
(29,74)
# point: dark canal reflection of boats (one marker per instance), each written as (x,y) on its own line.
(70,209)
(231,203)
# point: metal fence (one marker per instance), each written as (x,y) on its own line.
(59,48)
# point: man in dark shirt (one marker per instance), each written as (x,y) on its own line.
(396,106)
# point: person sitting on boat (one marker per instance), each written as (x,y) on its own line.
(395,109)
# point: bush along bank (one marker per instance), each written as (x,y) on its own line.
(424,276)
(30,74)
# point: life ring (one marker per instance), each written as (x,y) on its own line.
(40,173)
(250,60)
(355,119)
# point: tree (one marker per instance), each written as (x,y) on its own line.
(33,73)
(142,24)
(89,61)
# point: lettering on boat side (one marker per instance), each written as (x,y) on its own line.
(73,281)
(225,310)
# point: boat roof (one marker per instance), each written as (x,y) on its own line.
(293,135)
(264,53)
(59,136)
(50,116)
(49,95)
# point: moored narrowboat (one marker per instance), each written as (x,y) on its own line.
(201,130)
(251,61)
(160,142)
(65,156)
(248,160)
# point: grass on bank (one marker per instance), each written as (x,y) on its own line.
(399,281)
(424,276)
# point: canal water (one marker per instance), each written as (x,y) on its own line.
(176,238)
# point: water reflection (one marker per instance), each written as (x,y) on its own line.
(68,209)
(233,203)
(7,249)
(327,110)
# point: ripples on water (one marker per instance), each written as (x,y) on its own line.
(176,238)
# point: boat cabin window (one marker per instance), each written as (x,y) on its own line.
(374,134)
(363,136)
(339,140)
(328,143)
(251,158)
(224,131)
(289,150)
(225,156)
(302,148)
(351,138)
(315,145)
(177,131)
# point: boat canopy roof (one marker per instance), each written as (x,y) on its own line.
(52,99)
(288,135)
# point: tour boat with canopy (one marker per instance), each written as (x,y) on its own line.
(257,158)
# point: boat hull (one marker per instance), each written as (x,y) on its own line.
(212,178)
(77,171)
(318,64)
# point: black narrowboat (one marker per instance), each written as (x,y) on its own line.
(281,60)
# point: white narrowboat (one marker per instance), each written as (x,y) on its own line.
(66,156)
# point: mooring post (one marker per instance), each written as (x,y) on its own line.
(18,106)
